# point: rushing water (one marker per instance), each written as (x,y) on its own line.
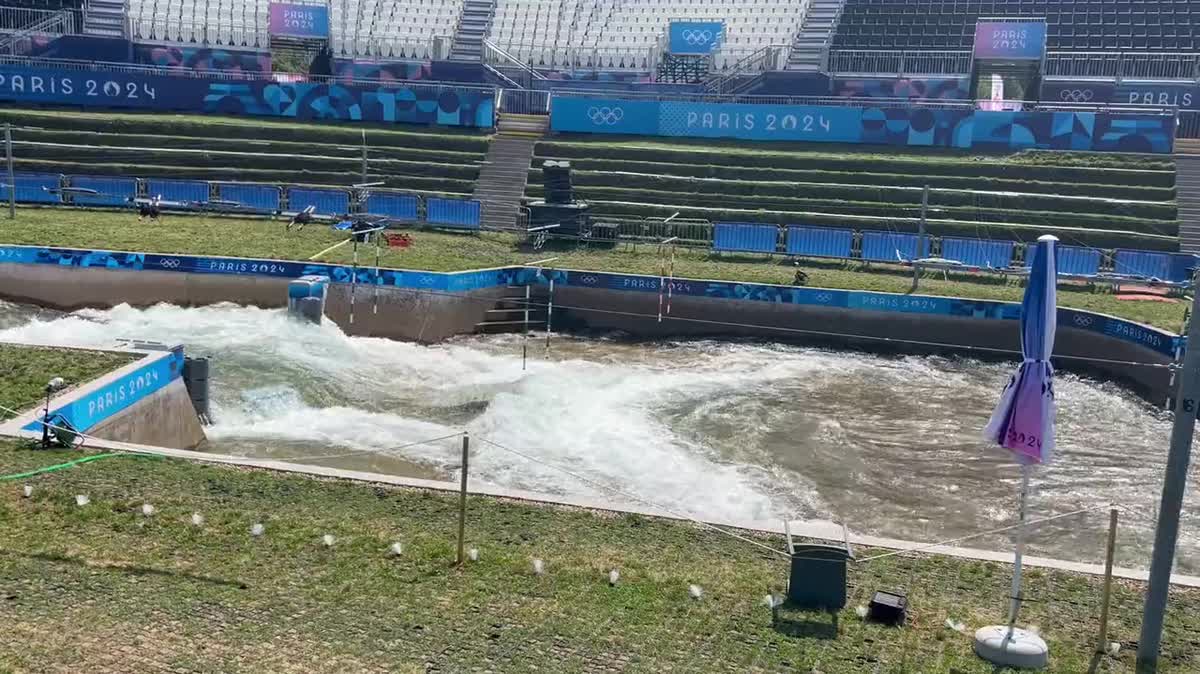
(731,431)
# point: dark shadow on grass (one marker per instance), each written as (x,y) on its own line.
(131,570)
(803,624)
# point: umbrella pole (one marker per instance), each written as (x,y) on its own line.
(1015,609)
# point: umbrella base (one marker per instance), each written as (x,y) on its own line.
(1023,649)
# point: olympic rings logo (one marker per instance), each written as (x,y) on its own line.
(1082,320)
(1076,95)
(693,36)
(169,263)
(824,298)
(605,116)
(588,280)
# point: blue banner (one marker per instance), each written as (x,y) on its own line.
(599,115)
(418,104)
(1003,40)
(1181,95)
(695,37)
(760,122)
(88,411)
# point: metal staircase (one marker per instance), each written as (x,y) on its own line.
(105,18)
(1187,193)
(747,71)
(501,183)
(522,308)
(815,34)
(473,26)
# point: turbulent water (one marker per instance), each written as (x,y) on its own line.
(730,431)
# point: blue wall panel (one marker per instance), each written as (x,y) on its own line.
(819,242)
(745,237)
(397,206)
(178,190)
(327,202)
(35,188)
(110,191)
(453,213)
(253,197)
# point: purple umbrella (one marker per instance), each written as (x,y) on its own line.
(1023,423)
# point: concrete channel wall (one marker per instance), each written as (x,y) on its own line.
(430,306)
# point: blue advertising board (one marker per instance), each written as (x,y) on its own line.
(695,37)
(402,103)
(87,411)
(1168,94)
(1003,40)
(299,20)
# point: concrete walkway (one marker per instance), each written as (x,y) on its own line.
(822,530)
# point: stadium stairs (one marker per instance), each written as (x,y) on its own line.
(502,180)
(1091,199)
(814,33)
(1187,185)
(473,26)
(104,18)
(430,161)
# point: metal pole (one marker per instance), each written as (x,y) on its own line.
(12,179)
(353,274)
(1102,645)
(1016,581)
(920,238)
(364,156)
(1174,483)
(525,341)
(462,499)
(549,314)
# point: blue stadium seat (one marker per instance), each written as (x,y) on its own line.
(252,197)
(178,190)
(819,242)
(111,191)
(892,246)
(1076,261)
(452,213)
(735,237)
(327,202)
(981,253)
(1142,264)
(394,206)
(32,188)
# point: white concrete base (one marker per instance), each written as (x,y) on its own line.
(1022,649)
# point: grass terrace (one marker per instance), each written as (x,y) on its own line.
(24,371)
(433,160)
(436,251)
(1100,200)
(105,587)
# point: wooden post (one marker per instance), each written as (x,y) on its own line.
(1102,646)
(462,499)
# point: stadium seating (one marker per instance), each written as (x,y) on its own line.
(618,33)
(392,28)
(241,23)
(1105,25)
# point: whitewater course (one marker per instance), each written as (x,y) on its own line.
(730,431)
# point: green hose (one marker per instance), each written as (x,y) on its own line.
(69,464)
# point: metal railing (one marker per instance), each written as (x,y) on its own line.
(762,60)
(509,67)
(61,22)
(165,29)
(17,19)
(890,62)
(524,101)
(765,100)
(582,58)
(373,47)
(1124,65)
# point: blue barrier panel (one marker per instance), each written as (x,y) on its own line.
(395,206)
(452,213)
(110,191)
(406,103)
(188,191)
(978,252)
(1182,267)
(734,237)
(819,241)
(326,202)
(599,115)
(252,197)
(892,246)
(1076,261)
(35,188)
(695,37)
(825,124)
(1142,264)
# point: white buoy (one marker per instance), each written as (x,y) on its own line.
(613,577)
(1011,648)
(28,490)
(82,500)
(257,529)
(539,567)
(147,509)
(473,554)
(197,520)
(328,540)
(397,549)
(695,592)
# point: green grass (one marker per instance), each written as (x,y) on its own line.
(25,370)
(449,252)
(103,587)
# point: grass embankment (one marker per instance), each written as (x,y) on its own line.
(1091,199)
(432,160)
(449,252)
(25,370)
(104,587)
